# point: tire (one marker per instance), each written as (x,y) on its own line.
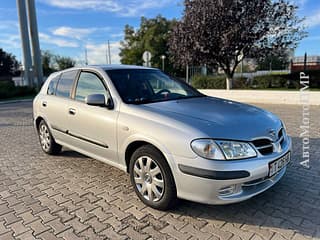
(152,179)
(47,142)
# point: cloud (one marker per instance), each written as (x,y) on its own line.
(72,32)
(117,35)
(96,53)
(109,5)
(121,7)
(60,42)
(313,20)
(10,41)
(300,3)
(9,25)
(78,33)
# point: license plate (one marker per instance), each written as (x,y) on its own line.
(278,164)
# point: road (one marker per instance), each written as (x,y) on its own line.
(71,196)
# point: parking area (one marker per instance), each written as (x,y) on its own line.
(71,196)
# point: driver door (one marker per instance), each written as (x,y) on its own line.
(93,127)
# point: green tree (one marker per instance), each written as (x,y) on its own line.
(9,66)
(221,33)
(64,62)
(152,35)
(274,62)
(47,63)
(52,62)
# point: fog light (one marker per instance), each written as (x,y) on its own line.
(227,190)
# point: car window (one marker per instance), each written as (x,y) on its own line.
(65,83)
(52,85)
(140,86)
(89,83)
(160,82)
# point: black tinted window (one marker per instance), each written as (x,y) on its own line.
(52,85)
(89,83)
(65,84)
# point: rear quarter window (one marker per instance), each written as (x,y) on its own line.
(65,83)
(53,85)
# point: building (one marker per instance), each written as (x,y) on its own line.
(312,63)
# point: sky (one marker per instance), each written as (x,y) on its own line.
(68,27)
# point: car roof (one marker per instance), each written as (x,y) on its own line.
(103,67)
(117,67)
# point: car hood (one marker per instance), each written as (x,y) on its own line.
(220,118)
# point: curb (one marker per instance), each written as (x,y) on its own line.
(267,96)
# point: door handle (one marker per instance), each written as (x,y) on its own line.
(72,111)
(44,104)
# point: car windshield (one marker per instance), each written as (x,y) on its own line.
(140,86)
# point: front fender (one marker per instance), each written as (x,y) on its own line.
(139,137)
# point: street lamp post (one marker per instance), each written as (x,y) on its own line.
(163,57)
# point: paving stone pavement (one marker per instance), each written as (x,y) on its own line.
(71,196)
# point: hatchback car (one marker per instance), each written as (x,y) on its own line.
(173,141)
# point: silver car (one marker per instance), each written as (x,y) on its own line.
(173,141)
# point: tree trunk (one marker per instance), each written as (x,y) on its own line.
(229,82)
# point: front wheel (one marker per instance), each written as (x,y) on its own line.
(152,179)
(47,142)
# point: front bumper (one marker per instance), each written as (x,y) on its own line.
(224,182)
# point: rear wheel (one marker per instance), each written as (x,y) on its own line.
(47,142)
(152,179)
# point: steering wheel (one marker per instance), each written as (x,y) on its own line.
(163,91)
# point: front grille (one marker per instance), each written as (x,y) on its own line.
(264,145)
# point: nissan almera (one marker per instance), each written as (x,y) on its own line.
(172,140)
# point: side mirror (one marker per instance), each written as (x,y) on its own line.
(99,100)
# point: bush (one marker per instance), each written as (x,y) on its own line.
(209,82)
(217,82)
(259,82)
(269,81)
(240,83)
(8,90)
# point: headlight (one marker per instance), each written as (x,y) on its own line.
(207,148)
(222,150)
(236,150)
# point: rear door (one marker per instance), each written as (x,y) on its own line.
(93,127)
(56,104)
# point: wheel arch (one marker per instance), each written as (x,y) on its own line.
(134,145)
(37,121)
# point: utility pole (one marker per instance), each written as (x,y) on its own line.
(305,62)
(36,53)
(85,56)
(187,73)
(27,62)
(107,57)
(109,52)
